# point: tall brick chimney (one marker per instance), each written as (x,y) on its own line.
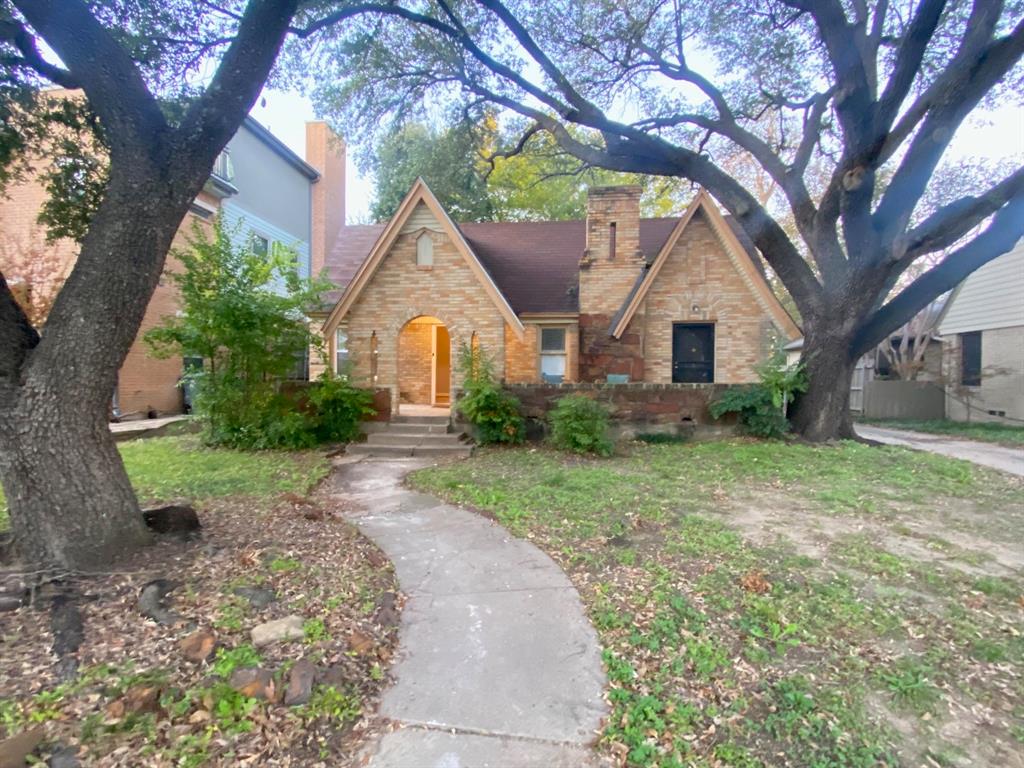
(613,258)
(609,268)
(325,151)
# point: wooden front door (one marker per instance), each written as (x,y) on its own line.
(693,353)
(442,373)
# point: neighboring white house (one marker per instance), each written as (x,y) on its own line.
(983,342)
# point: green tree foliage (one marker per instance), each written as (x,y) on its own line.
(449,160)
(489,408)
(479,173)
(243,313)
(60,139)
(580,424)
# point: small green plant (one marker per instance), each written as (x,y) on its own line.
(284,564)
(230,617)
(242,657)
(910,685)
(314,630)
(331,703)
(492,410)
(580,424)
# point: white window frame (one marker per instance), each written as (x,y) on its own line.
(341,354)
(551,353)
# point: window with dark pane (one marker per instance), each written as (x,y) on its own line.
(970,359)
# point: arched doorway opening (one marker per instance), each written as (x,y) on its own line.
(424,363)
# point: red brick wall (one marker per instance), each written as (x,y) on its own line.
(635,408)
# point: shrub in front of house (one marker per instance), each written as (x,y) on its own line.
(484,404)
(338,408)
(580,425)
(762,407)
(754,408)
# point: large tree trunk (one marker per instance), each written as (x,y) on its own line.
(70,499)
(71,503)
(822,412)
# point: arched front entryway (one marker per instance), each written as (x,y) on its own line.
(425,363)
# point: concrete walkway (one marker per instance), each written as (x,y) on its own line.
(497,664)
(987,454)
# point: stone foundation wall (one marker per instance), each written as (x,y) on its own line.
(636,408)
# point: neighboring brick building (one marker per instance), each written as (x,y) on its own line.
(257,180)
(613,298)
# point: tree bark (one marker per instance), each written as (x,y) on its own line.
(822,412)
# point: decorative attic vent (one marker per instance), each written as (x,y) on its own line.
(424,251)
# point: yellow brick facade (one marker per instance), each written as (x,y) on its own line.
(401,291)
(699,283)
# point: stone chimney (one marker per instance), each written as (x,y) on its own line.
(612,259)
(325,151)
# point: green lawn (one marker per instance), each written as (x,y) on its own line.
(167,468)
(772,604)
(1003,434)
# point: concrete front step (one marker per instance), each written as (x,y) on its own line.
(422,438)
(436,420)
(416,429)
(456,449)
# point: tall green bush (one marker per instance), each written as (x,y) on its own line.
(243,313)
(580,424)
(492,410)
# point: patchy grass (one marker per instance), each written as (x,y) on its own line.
(988,432)
(167,468)
(776,604)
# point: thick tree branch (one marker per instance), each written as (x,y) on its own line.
(1000,236)
(215,116)
(908,62)
(916,170)
(103,69)
(17,338)
(31,58)
(951,222)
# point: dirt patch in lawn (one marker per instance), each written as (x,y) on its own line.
(203,688)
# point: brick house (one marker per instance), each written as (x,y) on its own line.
(614,298)
(258,180)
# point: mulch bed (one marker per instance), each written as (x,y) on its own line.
(95,681)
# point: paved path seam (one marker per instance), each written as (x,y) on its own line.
(497,664)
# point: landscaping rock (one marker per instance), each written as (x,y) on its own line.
(335,676)
(255,682)
(277,631)
(300,683)
(258,597)
(140,699)
(66,757)
(180,519)
(15,750)
(359,643)
(387,610)
(198,646)
(10,602)
(151,601)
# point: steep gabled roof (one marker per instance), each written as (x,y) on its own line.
(420,193)
(737,253)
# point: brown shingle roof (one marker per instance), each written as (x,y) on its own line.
(535,264)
